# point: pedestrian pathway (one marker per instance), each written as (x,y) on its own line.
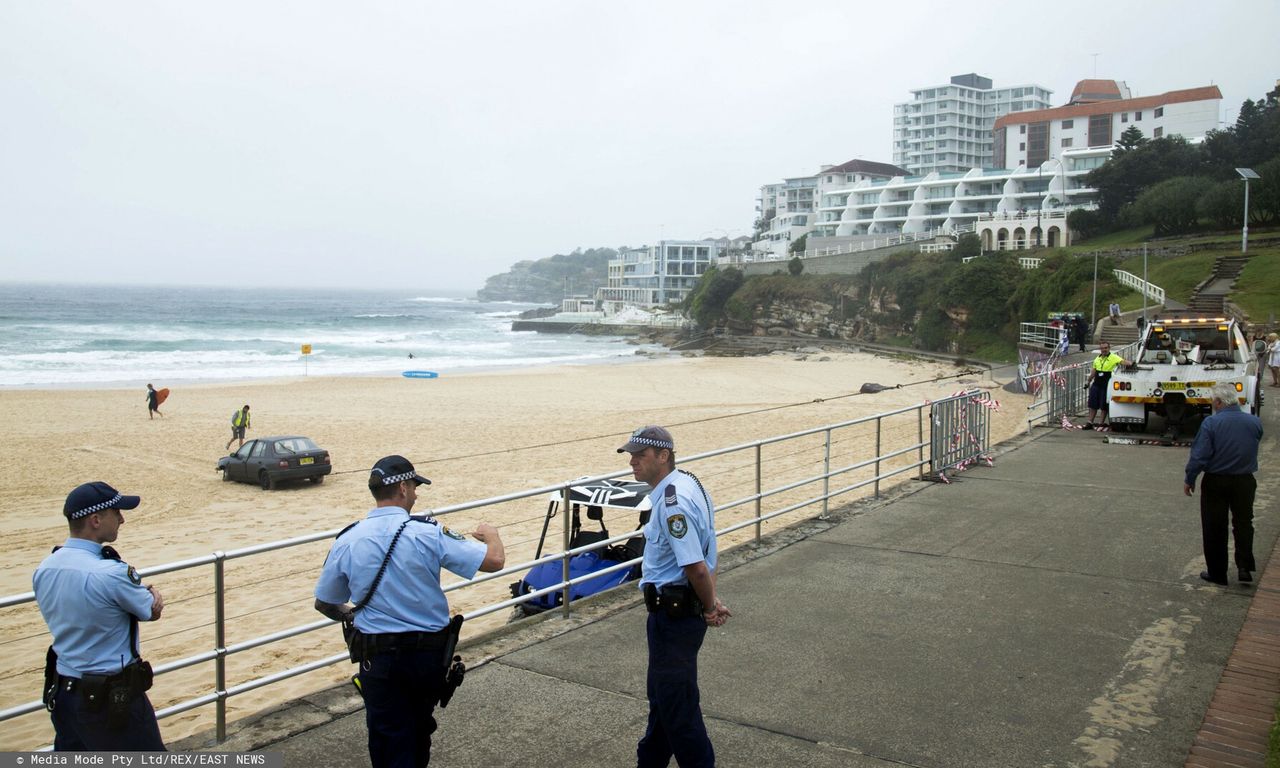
(1046,611)
(1237,725)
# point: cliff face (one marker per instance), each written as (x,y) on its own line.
(547,281)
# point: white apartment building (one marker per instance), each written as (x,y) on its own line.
(1099,111)
(948,128)
(657,275)
(790,208)
(956,201)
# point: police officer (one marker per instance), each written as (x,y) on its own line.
(92,602)
(679,584)
(403,625)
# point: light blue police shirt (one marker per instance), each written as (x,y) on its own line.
(680,531)
(409,597)
(87,601)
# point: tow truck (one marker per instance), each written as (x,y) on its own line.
(1178,361)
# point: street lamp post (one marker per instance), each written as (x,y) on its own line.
(1246,174)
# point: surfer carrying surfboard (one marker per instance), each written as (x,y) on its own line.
(154,399)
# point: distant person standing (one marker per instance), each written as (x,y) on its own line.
(679,584)
(1273,358)
(1082,331)
(153,403)
(95,679)
(1226,450)
(239,425)
(1099,379)
(1114,311)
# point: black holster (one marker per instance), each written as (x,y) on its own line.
(357,642)
(50,691)
(454,669)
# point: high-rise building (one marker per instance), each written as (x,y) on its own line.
(948,128)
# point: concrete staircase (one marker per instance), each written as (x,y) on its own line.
(1118,335)
(1209,297)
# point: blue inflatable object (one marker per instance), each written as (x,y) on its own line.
(596,497)
(420,374)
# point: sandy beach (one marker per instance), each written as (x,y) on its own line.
(476,436)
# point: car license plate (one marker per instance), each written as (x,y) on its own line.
(306,460)
(1173,385)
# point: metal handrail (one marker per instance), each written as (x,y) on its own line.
(219,654)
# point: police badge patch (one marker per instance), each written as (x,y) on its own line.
(676,526)
(452,534)
(132,573)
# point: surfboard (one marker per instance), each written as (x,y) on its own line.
(161,394)
(420,374)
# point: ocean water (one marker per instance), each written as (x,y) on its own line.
(92,335)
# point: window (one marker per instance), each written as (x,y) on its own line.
(1066,142)
(1124,117)
(1022,129)
(1068,124)
(1137,116)
(1100,130)
(1157,133)
(1022,146)
(1159,111)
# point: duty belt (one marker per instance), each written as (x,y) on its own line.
(677,601)
(406,641)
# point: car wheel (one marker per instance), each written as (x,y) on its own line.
(226,475)
(317,479)
(264,479)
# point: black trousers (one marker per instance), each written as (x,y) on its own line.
(400,692)
(675,715)
(77,729)
(1223,496)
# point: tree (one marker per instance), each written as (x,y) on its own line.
(967,245)
(1171,204)
(1120,180)
(1222,204)
(707,300)
(795,266)
(797,246)
(1130,140)
(983,287)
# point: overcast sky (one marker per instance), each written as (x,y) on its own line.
(434,144)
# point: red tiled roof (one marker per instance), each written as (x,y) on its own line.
(1107,89)
(1107,107)
(867,166)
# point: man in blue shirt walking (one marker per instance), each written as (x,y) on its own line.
(1226,451)
(679,584)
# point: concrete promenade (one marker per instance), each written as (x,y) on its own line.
(1046,611)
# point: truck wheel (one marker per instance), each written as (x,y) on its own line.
(317,479)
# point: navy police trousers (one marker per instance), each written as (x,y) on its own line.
(675,716)
(77,729)
(401,688)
